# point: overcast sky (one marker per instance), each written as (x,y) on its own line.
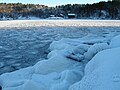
(52,2)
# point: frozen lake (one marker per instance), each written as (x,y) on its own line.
(24,42)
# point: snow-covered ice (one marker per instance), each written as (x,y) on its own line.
(25,42)
(83,55)
(102,72)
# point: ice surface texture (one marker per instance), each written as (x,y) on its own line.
(64,67)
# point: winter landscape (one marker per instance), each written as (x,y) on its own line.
(60,55)
(67,47)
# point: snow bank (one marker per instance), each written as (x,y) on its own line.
(101,73)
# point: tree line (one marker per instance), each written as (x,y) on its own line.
(101,10)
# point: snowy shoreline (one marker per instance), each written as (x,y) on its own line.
(23,43)
(61,73)
(73,64)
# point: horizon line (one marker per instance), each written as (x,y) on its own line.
(52,5)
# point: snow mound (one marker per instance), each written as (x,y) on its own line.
(94,49)
(101,73)
(56,63)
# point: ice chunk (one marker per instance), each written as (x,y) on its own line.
(5,79)
(57,63)
(31,85)
(93,50)
(56,45)
(67,78)
(115,42)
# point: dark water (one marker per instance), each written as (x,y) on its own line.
(23,47)
(19,49)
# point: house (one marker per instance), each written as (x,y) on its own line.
(116,0)
(54,17)
(71,15)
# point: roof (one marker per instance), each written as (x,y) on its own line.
(71,14)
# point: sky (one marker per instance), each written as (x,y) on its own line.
(52,2)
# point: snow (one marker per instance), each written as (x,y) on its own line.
(54,18)
(115,42)
(84,55)
(55,64)
(28,18)
(102,69)
(71,14)
(51,74)
(94,49)
(24,42)
(102,72)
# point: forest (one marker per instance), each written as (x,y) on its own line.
(100,10)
